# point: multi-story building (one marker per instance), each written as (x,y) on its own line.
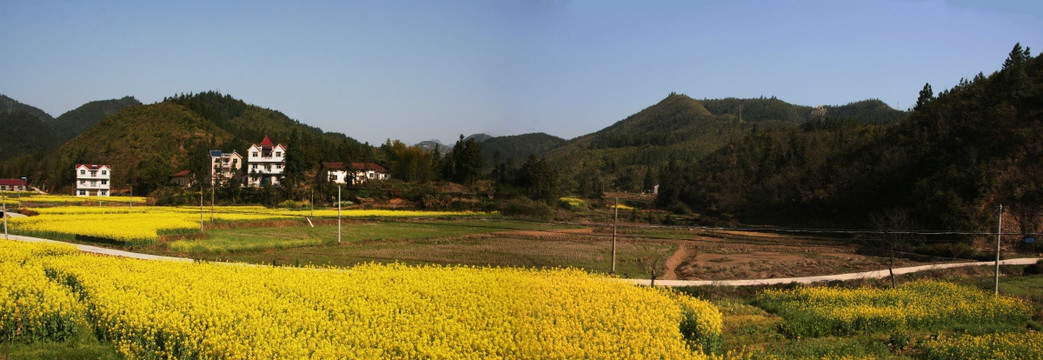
(266,163)
(224,166)
(93,180)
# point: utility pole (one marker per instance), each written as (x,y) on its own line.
(312,202)
(4,212)
(338,214)
(200,206)
(615,222)
(130,202)
(212,187)
(999,231)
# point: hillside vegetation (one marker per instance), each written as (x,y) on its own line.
(631,153)
(947,166)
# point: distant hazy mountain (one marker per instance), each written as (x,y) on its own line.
(432,145)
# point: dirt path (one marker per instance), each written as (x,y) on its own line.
(674,261)
(877,274)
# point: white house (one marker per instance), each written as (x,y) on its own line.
(336,172)
(365,172)
(266,163)
(93,180)
(355,173)
(224,166)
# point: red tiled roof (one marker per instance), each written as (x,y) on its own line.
(368,166)
(92,166)
(267,142)
(181,173)
(12,182)
(334,165)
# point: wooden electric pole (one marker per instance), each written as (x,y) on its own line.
(999,232)
(615,222)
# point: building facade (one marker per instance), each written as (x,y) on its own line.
(13,185)
(224,166)
(355,173)
(266,163)
(93,180)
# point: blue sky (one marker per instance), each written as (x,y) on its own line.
(419,70)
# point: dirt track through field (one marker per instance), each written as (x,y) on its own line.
(674,261)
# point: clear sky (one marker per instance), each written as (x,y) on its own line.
(420,70)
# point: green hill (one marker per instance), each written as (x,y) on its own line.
(678,127)
(517,148)
(24,133)
(75,122)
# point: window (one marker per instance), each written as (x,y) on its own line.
(267,168)
(101,192)
(254,154)
(83,172)
(278,166)
(104,182)
(94,173)
(103,172)
(278,154)
(83,192)
(254,166)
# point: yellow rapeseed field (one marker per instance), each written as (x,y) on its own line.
(202,310)
(144,225)
(925,305)
(1002,345)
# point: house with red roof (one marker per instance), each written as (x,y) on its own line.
(93,180)
(266,163)
(181,178)
(13,185)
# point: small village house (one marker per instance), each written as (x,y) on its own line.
(182,178)
(13,185)
(93,180)
(355,173)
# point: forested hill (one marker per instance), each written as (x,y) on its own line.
(635,149)
(517,148)
(767,110)
(9,105)
(33,130)
(947,166)
(145,144)
(75,122)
